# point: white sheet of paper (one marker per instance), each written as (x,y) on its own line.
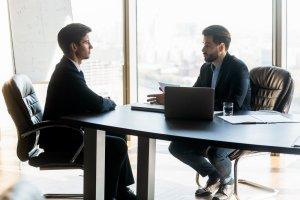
(259,119)
(241,119)
(163,85)
(277,118)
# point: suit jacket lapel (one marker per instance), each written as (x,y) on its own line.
(209,76)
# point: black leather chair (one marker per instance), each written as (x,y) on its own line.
(271,89)
(26,112)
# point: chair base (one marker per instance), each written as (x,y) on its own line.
(253,184)
(63,196)
(272,191)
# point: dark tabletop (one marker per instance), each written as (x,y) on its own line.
(261,137)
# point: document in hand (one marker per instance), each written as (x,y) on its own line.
(163,85)
(258,119)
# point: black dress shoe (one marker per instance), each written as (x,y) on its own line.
(212,185)
(126,194)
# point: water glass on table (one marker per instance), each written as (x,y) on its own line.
(227,108)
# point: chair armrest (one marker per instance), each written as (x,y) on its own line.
(49,124)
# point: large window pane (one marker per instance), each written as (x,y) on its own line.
(103,71)
(170,39)
(293,50)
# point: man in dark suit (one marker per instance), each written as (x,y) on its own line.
(229,76)
(69,94)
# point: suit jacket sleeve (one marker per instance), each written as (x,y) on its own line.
(204,78)
(87,100)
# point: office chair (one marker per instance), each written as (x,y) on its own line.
(272,88)
(26,112)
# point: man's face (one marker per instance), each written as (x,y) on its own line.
(210,49)
(84,47)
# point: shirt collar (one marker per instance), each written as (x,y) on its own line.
(76,64)
(218,66)
(215,67)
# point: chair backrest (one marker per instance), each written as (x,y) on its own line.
(25,110)
(272,88)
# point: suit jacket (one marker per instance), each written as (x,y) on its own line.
(67,94)
(233,83)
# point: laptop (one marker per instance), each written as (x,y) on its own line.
(148,107)
(196,103)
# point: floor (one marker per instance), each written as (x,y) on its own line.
(174,180)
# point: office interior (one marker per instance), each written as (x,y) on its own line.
(137,44)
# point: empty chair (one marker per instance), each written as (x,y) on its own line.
(271,89)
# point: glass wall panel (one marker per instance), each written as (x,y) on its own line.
(293,50)
(104,70)
(170,39)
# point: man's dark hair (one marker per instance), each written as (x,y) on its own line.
(71,33)
(219,34)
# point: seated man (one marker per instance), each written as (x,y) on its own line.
(229,76)
(69,94)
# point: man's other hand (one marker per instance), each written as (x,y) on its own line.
(108,105)
(156,98)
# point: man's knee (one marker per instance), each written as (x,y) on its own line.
(117,145)
(175,148)
(216,154)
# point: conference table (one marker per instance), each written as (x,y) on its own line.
(149,126)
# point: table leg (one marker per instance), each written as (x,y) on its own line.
(94,164)
(146,168)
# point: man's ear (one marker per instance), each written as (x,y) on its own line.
(73,46)
(222,47)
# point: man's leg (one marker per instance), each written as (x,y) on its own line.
(192,154)
(219,158)
(125,176)
(116,154)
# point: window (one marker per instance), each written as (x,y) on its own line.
(104,70)
(293,50)
(170,39)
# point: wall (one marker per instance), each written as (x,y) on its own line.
(34,25)
(6,65)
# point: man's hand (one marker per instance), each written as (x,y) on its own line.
(108,105)
(156,98)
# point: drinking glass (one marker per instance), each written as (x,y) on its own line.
(227,108)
